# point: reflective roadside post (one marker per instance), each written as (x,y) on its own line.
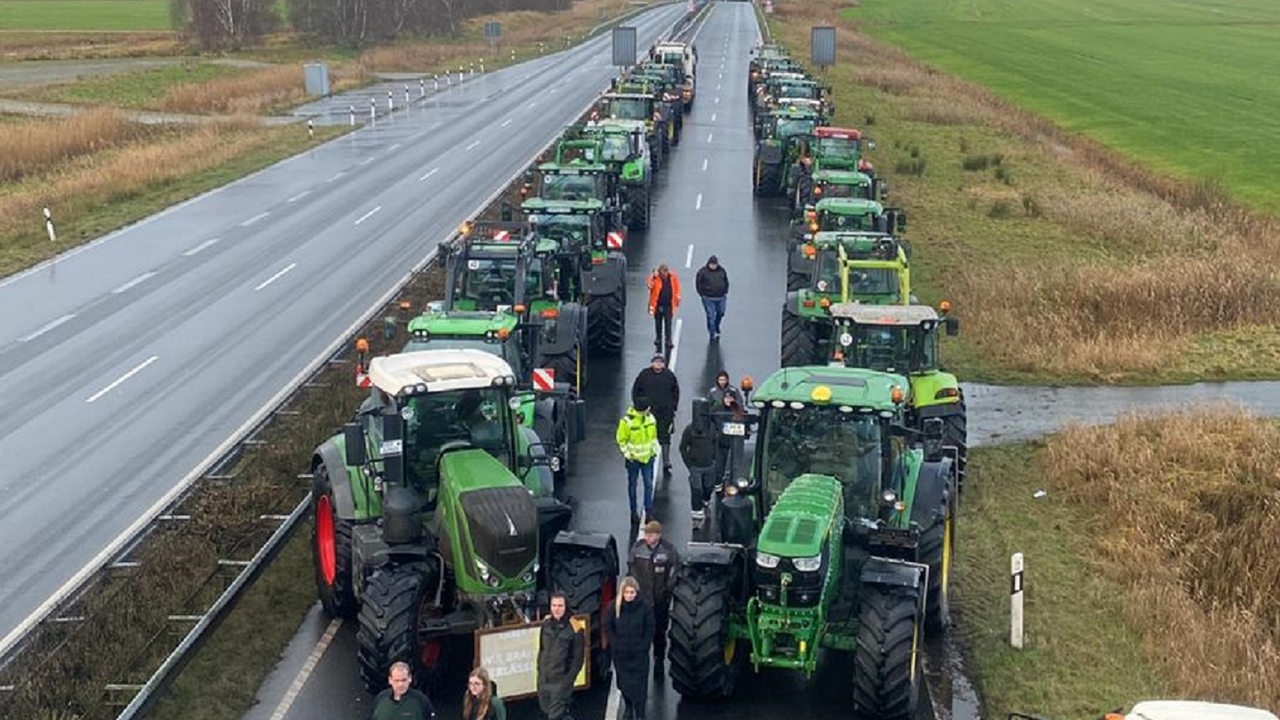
(1015,600)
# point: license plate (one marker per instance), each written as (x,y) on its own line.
(733,428)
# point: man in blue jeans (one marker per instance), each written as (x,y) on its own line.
(637,438)
(713,287)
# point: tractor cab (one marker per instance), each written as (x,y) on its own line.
(841,149)
(628,106)
(839,214)
(868,268)
(901,339)
(495,267)
(574,228)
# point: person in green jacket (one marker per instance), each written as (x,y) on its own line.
(482,701)
(637,438)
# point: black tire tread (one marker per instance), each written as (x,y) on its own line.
(606,322)
(799,346)
(883,685)
(387,623)
(699,631)
(338,600)
(581,574)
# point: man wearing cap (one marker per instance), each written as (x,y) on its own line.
(637,438)
(659,386)
(653,562)
(712,283)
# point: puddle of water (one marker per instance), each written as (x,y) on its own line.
(953,695)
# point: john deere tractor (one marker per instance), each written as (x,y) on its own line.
(667,82)
(783,141)
(849,214)
(765,60)
(838,148)
(618,148)
(434,518)
(903,339)
(848,269)
(839,537)
(644,107)
(813,186)
(592,268)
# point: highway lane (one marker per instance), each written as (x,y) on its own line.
(703,206)
(126,364)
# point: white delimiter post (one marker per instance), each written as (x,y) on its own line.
(1015,601)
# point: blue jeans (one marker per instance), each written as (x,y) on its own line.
(714,308)
(645,469)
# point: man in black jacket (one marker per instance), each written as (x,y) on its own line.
(698,450)
(561,651)
(659,386)
(653,562)
(712,283)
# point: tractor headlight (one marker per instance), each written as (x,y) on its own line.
(809,564)
(743,483)
(888,498)
(767,561)
(489,577)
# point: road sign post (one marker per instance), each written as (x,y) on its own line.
(1015,600)
(823,46)
(624,46)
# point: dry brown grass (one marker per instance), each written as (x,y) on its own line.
(1147,266)
(31,45)
(254,92)
(1191,506)
(32,146)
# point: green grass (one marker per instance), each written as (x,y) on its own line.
(84,15)
(1080,658)
(139,89)
(1175,83)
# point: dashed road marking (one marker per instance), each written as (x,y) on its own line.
(698,204)
(299,196)
(710,135)
(688,257)
(202,247)
(704,164)
(46,328)
(134,283)
(275,277)
(430,172)
(713,117)
(366,161)
(116,383)
(368,215)
(254,219)
(473,145)
(506,122)
(336,176)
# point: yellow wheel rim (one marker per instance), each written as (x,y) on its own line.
(946,557)
(730,649)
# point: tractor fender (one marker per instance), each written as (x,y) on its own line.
(880,571)
(601,542)
(800,262)
(933,493)
(712,554)
(543,472)
(607,277)
(570,329)
(769,154)
(791,304)
(335,463)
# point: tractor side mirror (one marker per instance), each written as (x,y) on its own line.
(953,326)
(883,189)
(353,438)
(933,439)
(392,450)
(900,222)
(389,327)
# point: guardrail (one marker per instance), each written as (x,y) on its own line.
(144,695)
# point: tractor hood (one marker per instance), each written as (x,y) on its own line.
(804,519)
(824,385)
(849,206)
(490,522)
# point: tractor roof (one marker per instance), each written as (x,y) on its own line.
(616,125)
(801,522)
(838,386)
(573,167)
(795,112)
(542,206)
(467,323)
(901,315)
(839,133)
(841,176)
(1194,710)
(854,242)
(850,206)
(429,371)
(627,96)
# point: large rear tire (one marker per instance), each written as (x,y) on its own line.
(799,344)
(705,657)
(391,605)
(331,549)
(886,668)
(589,579)
(955,432)
(638,206)
(567,367)
(606,322)
(796,280)
(937,549)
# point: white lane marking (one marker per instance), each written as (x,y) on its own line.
(710,135)
(552,91)
(713,117)
(275,277)
(393,148)
(366,161)
(675,352)
(704,164)
(308,667)
(46,328)
(506,122)
(299,196)
(721,76)
(335,176)
(94,397)
(254,219)
(615,695)
(430,172)
(698,205)
(368,215)
(134,282)
(473,145)
(717,101)
(688,257)
(530,105)
(202,247)
(717,86)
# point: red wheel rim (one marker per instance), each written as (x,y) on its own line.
(607,595)
(431,654)
(326,549)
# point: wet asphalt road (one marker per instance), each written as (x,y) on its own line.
(127,364)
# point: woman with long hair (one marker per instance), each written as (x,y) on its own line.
(481,702)
(630,630)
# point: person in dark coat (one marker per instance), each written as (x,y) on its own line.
(653,562)
(698,450)
(660,387)
(400,701)
(561,651)
(481,702)
(726,406)
(712,283)
(630,630)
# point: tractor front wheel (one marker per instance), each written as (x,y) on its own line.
(392,605)
(638,203)
(955,433)
(331,549)
(567,367)
(606,321)
(705,657)
(937,548)
(589,579)
(799,344)
(796,279)
(768,179)
(886,667)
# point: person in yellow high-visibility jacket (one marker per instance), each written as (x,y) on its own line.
(637,438)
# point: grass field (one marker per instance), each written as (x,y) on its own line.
(1177,84)
(115,15)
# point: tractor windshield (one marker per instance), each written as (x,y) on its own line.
(490,282)
(570,231)
(802,92)
(791,128)
(568,187)
(821,439)
(893,348)
(628,108)
(846,191)
(838,147)
(476,417)
(617,148)
(829,221)
(863,282)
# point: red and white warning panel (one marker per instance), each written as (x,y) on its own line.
(502,236)
(544,379)
(614,240)
(362,378)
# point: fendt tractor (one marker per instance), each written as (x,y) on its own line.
(903,339)
(434,517)
(839,536)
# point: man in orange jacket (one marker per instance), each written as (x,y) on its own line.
(664,299)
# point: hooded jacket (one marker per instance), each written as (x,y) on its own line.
(698,441)
(637,435)
(712,283)
(655,284)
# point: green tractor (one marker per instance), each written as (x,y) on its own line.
(903,339)
(685,57)
(645,107)
(837,148)
(784,139)
(668,82)
(619,149)
(767,61)
(812,186)
(591,265)
(849,214)
(839,537)
(434,518)
(849,268)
